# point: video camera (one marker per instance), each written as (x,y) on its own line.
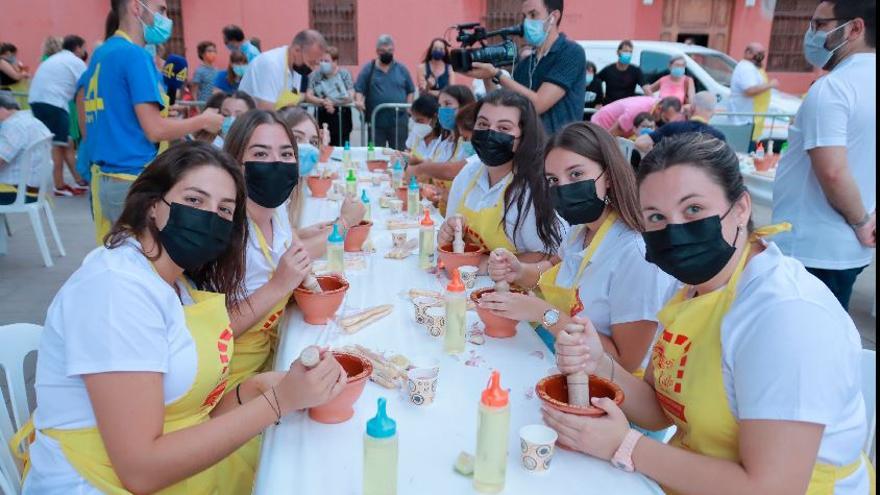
(469,34)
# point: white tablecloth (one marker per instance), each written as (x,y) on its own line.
(305,457)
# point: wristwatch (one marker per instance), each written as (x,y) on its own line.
(498,75)
(551,318)
(623,457)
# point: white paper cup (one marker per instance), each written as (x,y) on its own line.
(421,385)
(537,443)
(468,275)
(396,206)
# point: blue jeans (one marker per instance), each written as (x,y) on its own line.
(839,281)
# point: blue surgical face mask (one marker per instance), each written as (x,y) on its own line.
(677,71)
(308,158)
(645,130)
(590,79)
(239,70)
(160,31)
(535,31)
(814,46)
(326,68)
(446,116)
(226,125)
(468,149)
(625,58)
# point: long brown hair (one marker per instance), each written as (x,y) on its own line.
(225,274)
(591,141)
(237,140)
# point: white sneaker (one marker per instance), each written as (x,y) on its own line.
(64,191)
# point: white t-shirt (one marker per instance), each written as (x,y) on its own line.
(259,271)
(265,76)
(789,352)
(618,286)
(26,147)
(840,110)
(746,75)
(484,196)
(55,80)
(113,314)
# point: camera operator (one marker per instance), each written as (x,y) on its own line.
(554,76)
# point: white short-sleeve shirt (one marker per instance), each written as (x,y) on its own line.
(259,271)
(618,286)
(26,147)
(485,196)
(265,76)
(789,352)
(113,314)
(746,75)
(840,110)
(55,80)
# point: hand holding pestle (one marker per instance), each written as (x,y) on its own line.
(501,286)
(311,284)
(458,242)
(310,357)
(578,382)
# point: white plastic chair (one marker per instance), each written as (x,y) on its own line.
(19,340)
(869,392)
(33,209)
(627,147)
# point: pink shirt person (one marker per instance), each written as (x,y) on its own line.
(623,112)
(671,87)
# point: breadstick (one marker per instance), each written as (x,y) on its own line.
(367,321)
(578,382)
(414,293)
(358,317)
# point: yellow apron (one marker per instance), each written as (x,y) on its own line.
(287,97)
(487,225)
(208,323)
(760,104)
(696,401)
(254,348)
(102,223)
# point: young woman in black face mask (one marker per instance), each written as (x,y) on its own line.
(600,273)
(757,365)
(494,195)
(133,370)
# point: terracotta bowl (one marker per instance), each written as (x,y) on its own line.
(766,163)
(471,256)
(318,309)
(377,165)
(326,151)
(356,236)
(496,326)
(401,193)
(319,186)
(341,408)
(553,390)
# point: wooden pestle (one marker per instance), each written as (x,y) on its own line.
(458,242)
(311,284)
(501,286)
(578,382)
(310,357)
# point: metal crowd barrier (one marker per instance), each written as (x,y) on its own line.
(774,117)
(384,106)
(355,114)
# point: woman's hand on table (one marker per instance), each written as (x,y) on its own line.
(302,388)
(579,351)
(293,267)
(447,230)
(599,437)
(504,265)
(352,211)
(514,306)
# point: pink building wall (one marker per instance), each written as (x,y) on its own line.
(27,22)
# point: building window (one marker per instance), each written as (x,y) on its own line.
(175,44)
(790,21)
(337,21)
(502,13)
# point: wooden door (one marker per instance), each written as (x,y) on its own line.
(698,17)
(502,13)
(337,21)
(175,44)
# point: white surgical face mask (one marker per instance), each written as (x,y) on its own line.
(419,131)
(814,46)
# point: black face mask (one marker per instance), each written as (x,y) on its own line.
(577,203)
(302,70)
(269,183)
(494,148)
(386,58)
(194,237)
(692,252)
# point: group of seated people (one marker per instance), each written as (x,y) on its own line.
(155,369)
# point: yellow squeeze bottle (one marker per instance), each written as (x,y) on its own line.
(426,242)
(335,257)
(456,314)
(380,454)
(493,425)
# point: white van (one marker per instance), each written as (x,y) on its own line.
(710,69)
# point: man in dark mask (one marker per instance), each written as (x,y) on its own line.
(385,80)
(750,88)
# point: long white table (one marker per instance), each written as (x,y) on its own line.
(301,456)
(760,184)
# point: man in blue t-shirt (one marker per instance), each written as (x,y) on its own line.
(123,103)
(554,77)
(704,109)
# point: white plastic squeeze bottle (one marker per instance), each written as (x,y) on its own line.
(493,425)
(413,198)
(456,315)
(351,183)
(368,210)
(335,249)
(426,242)
(397,175)
(380,454)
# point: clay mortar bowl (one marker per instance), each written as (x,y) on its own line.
(319,186)
(341,407)
(324,156)
(377,165)
(553,390)
(356,236)
(318,309)
(496,326)
(471,256)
